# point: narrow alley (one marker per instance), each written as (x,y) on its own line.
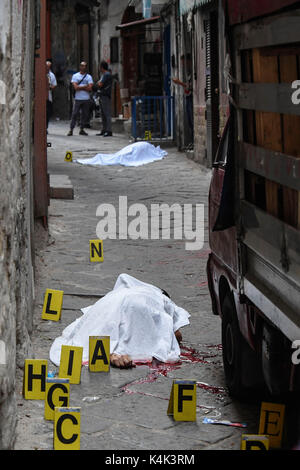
(150,172)
(127,409)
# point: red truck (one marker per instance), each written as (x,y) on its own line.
(254,202)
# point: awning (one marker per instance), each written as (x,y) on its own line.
(142,22)
(188,5)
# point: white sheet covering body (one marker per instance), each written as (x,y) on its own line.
(139,153)
(139,319)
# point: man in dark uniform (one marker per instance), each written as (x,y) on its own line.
(105,85)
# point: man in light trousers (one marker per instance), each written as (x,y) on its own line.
(83,84)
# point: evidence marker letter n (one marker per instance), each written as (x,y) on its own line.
(52,305)
(96,251)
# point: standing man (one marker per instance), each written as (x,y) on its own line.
(82,83)
(52,83)
(105,85)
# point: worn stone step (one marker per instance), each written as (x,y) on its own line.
(61,187)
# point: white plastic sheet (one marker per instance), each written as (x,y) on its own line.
(138,317)
(139,153)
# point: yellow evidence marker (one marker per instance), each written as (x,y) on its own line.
(70,363)
(52,305)
(35,374)
(96,251)
(99,353)
(57,394)
(69,157)
(182,403)
(148,135)
(254,442)
(67,428)
(271,422)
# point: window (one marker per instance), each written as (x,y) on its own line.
(114,50)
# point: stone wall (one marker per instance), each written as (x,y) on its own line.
(16,273)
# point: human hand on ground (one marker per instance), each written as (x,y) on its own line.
(178,336)
(121,361)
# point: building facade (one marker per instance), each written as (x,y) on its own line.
(197,31)
(147,45)
(112,31)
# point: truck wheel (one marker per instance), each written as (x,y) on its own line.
(242,368)
(231,347)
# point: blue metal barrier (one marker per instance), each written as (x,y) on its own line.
(152,117)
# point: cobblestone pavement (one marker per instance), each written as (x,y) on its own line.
(127,409)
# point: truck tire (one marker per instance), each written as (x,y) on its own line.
(243,374)
(231,346)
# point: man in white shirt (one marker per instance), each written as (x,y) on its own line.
(52,83)
(82,83)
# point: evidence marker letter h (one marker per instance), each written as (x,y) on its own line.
(34,382)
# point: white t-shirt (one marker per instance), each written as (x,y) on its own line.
(82,94)
(52,82)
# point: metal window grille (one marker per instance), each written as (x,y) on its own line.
(153,118)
